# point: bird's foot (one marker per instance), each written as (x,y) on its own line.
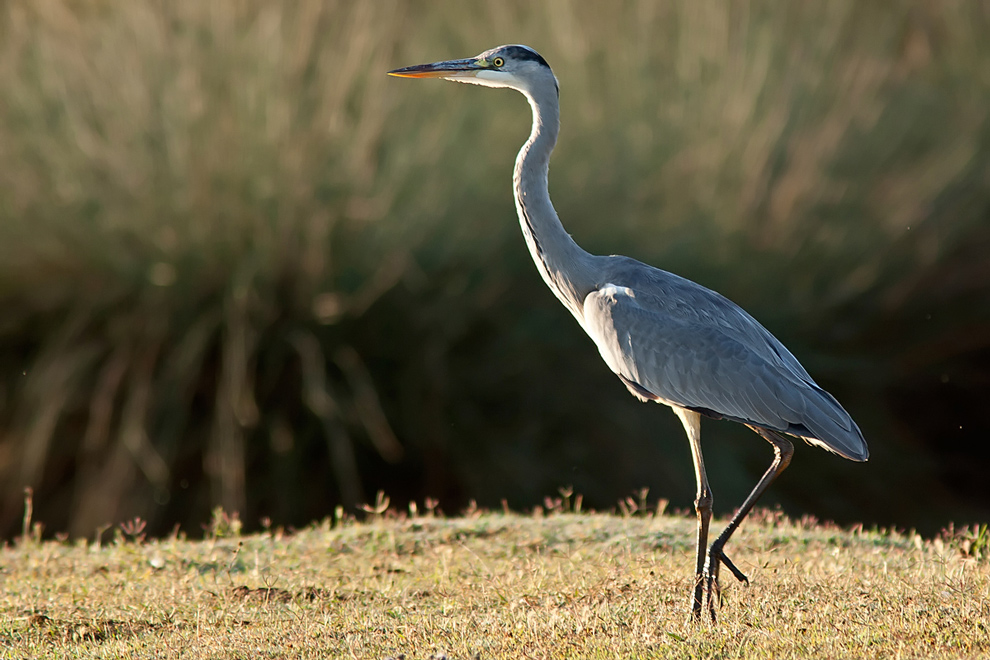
(732,568)
(713,591)
(698,597)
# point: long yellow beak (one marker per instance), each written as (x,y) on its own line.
(450,69)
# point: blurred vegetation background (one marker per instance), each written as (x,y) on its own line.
(240,266)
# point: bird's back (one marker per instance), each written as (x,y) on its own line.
(678,342)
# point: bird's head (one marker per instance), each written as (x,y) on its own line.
(516,67)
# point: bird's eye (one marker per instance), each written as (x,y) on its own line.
(497,62)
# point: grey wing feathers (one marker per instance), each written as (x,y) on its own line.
(691,347)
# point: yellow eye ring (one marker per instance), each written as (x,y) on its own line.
(497,62)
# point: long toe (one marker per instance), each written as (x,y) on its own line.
(732,568)
(717,557)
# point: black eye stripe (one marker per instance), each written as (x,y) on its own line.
(520,53)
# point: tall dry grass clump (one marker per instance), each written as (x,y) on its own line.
(240,266)
(178,178)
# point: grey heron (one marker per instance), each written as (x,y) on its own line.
(667,338)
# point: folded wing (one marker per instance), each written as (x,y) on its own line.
(690,347)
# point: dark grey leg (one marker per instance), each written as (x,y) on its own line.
(783,451)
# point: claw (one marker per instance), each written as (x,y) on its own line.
(732,568)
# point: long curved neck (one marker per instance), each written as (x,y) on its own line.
(565,267)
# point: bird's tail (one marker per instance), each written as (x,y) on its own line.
(829,426)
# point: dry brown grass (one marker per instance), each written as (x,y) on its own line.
(493,585)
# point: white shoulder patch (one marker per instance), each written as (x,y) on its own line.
(599,323)
(614,291)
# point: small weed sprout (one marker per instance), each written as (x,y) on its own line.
(132,530)
(30,530)
(570,503)
(377,510)
(223,525)
(432,507)
(28,514)
(472,511)
(233,559)
(554,505)
(629,506)
(971,541)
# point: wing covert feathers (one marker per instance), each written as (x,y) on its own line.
(677,342)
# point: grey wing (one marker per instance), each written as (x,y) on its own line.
(706,354)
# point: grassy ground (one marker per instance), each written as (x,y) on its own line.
(494,585)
